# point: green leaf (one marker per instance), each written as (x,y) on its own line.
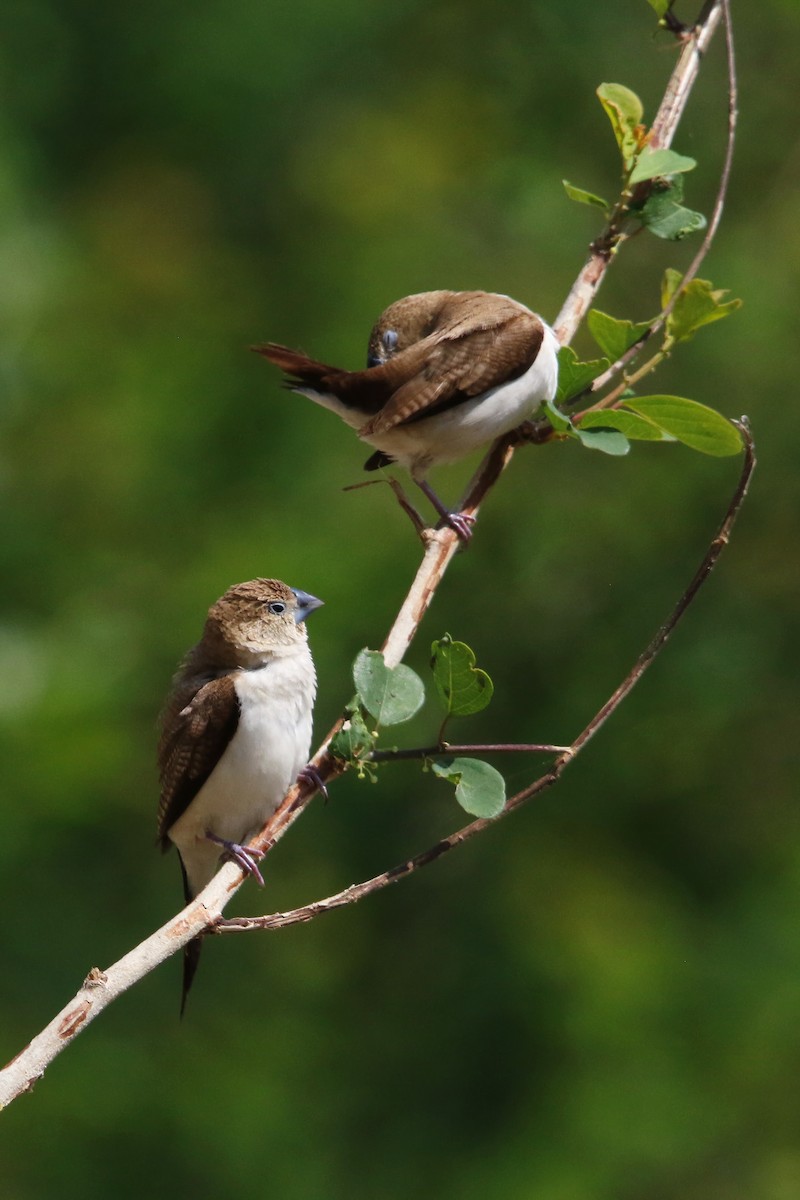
(583,197)
(694,424)
(593,434)
(557,419)
(607,440)
(698,304)
(636,428)
(661,7)
(354,740)
(480,790)
(613,336)
(463,687)
(575,376)
(669,285)
(666,217)
(654,163)
(389,694)
(624,110)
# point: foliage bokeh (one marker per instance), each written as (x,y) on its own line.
(598,998)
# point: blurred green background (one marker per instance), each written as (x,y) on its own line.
(598,999)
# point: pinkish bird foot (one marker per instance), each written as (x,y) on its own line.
(461,522)
(310,776)
(245,857)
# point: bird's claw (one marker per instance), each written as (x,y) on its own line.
(309,775)
(462,523)
(245,857)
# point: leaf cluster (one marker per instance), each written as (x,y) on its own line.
(613,422)
(652,177)
(387,696)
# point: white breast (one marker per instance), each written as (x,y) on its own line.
(260,763)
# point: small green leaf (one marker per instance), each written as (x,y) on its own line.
(636,428)
(694,424)
(698,304)
(671,222)
(389,694)
(661,7)
(607,440)
(666,217)
(669,285)
(613,336)
(654,163)
(624,110)
(575,376)
(580,196)
(480,790)
(557,419)
(462,687)
(354,740)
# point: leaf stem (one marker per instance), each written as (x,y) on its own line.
(611,399)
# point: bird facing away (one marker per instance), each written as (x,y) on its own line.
(235,732)
(446,373)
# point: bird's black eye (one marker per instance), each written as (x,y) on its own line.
(276,607)
(389,340)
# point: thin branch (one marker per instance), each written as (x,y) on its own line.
(446,748)
(101,987)
(695,44)
(730,143)
(701,575)
(355,892)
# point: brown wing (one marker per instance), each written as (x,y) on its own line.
(196,729)
(470,342)
(458,363)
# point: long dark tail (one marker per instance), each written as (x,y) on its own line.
(298,366)
(191,951)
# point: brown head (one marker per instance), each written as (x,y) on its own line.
(253,620)
(405,323)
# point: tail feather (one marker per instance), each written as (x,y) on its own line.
(355,396)
(295,364)
(191,957)
(191,951)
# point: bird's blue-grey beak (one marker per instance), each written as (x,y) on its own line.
(306,603)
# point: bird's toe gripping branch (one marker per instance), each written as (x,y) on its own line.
(310,777)
(461,522)
(245,857)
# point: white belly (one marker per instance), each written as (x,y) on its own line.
(259,765)
(453,434)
